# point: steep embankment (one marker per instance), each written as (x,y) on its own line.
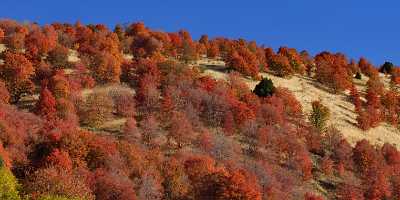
(306,90)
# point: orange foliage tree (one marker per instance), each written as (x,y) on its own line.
(17,72)
(332,71)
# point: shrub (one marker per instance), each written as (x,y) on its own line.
(8,185)
(264,88)
(97,109)
(319,115)
(386,68)
(358,76)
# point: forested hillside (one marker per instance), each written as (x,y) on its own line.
(135,114)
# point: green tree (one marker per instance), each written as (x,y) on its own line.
(8,185)
(319,115)
(386,68)
(358,76)
(264,88)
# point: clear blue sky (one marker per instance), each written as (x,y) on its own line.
(357,28)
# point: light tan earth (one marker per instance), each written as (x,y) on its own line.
(342,117)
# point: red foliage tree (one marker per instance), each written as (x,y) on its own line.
(280,65)
(59,85)
(46,106)
(58,57)
(131,131)
(16,73)
(355,98)
(213,50)
(4,94)
(365,157)
(294,59)
(4,157)
(148,94)
(378,187)
(367,68)
(391,105)
(391,154)
(331,70)
(40,41)
(15,40)
(227,185)
(242,59)
(59,158)
(54,181)
(1,35)
(124,102)
(176,184)
(181,129)
(106,68)
(327,166)
(349,192)
(293,107)
(229,124)
(310,196)
(112,186)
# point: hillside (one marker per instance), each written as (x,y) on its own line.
(89,113)
(307,90)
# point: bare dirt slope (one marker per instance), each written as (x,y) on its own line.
(343,116)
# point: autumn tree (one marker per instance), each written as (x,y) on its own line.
(367,68)
(58,57)
(294,59)
(40,41)
(378,186)
(15,40)
(46,106)
(112,186)
(355,98)
(349,192)
(181,129)
(310,196)
(131,130)
(228,185)
(176,183)
(213,50)
(106,68)
(97,109)
(54,181)
(4,94)
(280,65)
(391,105)
(365,157)
(331,70)
(243,60)
(59,85)
(124,101)
(17,72)
(1,35)
(151,187)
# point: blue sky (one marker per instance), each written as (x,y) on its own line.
(357,28)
